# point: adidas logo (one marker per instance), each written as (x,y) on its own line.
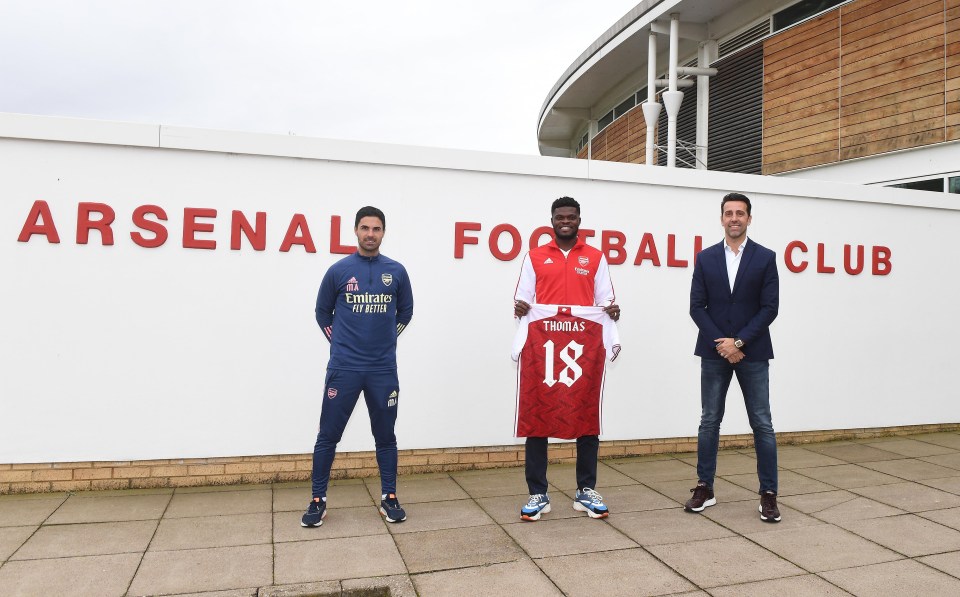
(548,261)
(393,394)
(352,281)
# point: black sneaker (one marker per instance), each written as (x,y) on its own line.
(391,509)
(316,511)
(768,507)
(702,497)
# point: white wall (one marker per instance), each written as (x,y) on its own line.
(123,352)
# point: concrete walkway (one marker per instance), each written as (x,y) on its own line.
(871,517)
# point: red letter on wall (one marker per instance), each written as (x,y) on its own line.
(140,221)
(672,260)
(788,257)
(847,261)
(256,235)
(102,224)
(298,224)
(335,246)
(538,235)
(881,261)
(191,227)
(647,250)
(34,225)
(495,244)
(609,247)
(822,268)
(460,238)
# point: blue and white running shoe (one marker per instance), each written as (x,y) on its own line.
(539,503)
(591,502)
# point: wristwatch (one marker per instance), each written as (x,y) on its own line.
(738,342)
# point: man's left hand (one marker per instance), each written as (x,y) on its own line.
(613,311)
(726,348)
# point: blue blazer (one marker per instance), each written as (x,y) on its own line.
(745,313)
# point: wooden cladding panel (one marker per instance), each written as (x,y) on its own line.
(885,45)
(624,140)
(952,62)
(801,84)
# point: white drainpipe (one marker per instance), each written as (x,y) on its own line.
(651,108)
(673,98)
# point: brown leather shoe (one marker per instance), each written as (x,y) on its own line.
(768,507)
(702,497)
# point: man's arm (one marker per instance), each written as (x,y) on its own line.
(526,290)
(769,304)
(326,301)
(699,299)
(603,293)
(404,303)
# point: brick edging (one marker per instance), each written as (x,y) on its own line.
(236,470)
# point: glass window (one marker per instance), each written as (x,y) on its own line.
(641,96)
(583,142)
(930,184)
(605,121)
(800,11)
(625,106)
(954,186)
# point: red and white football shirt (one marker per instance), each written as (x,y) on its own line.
(561,353)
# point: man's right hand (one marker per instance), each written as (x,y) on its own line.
(520,308)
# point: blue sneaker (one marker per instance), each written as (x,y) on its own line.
(391,509)
(315,513)
(539,503)
(591,502)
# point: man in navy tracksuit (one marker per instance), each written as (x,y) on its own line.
(364,303)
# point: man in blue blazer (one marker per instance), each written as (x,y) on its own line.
(734,298)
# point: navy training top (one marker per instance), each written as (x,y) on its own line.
(362,306)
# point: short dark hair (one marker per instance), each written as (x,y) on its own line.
(564,202)
(370,211)
(734,197)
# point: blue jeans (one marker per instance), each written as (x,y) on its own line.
(754,380)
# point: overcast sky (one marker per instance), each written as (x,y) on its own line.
(446,73)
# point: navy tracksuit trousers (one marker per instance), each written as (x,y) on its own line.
(381,391)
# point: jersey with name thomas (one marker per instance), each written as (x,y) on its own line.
(362,306)
(561,352)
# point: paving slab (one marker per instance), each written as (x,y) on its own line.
(564,476)
(852,452)
(439,487)
(546,538)
(340,522)
(910,497)
(801,586)
(480,484)
(729,463)
(506,509)
(810,503)
(946,439)
(823,547)
(399,585)
(946,562)
(666,526)
(333,559)
(11,538)
(110,508)
(719,562)
(911,447)
(247,592)
(211,488)
(431,516)
(908,534)
(949,517)
(904,578)
(22,510)
(947,460)
(950,484)
(793,457)
(90,539)
(212,531)
(624,573)
(912,469)
(93,576)
(647,471)
(625,498)
(680,491)
(195,570)
(184,505)
(522,577)
(848,476)
(455,548)
(859,508)
(338,496)
(744,518)
(790,483)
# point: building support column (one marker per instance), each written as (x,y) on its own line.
(672,98)
(651,108)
